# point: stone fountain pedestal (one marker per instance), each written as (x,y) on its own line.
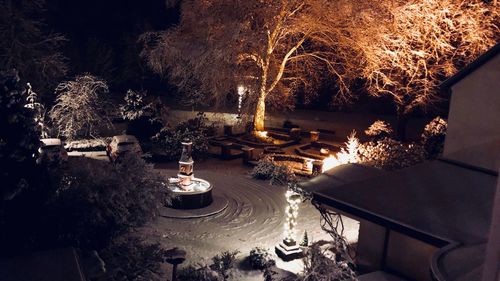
(188,192)
(193,198)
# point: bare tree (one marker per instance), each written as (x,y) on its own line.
(28,46)
(272,48)
(419,43)
(80,107)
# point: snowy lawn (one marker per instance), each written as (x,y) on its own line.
(254,217)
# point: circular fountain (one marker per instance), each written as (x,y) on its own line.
(188,192)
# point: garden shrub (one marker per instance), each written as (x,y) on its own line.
(145,119)
(101,201)
(129,258)
(433,137)
(260,258)
(322,263)
(379,130)
(223,263)
(268,169)
(220,269)
(204,273)
(167,142)
(390,154)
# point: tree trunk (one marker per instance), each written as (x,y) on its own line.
(260,112)
(401,126)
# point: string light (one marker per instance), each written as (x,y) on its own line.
(292,212)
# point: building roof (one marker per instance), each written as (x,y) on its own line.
(471,67)
(438,199)
(439,202)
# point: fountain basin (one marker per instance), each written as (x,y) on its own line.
(194,196)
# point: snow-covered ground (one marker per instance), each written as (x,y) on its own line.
(254,217)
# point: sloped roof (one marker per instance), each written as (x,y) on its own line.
(439,202)
(491,53)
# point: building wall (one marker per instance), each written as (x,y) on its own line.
(473,135)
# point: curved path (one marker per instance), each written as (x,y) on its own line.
(254,216)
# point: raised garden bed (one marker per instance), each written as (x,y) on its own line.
(225,148)
(314,150)
(300,165)
(273,150)
(253,142)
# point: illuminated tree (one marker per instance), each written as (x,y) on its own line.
(421,43)
(80,107)
(273,48)
(27,46)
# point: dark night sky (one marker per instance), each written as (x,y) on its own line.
(109,18)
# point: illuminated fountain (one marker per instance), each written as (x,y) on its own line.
(189,192)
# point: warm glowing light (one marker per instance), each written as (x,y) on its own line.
(330,162)
(309,165)
(292,212)
(241,92)
(261,134)
(347,154)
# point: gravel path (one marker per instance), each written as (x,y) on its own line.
(254,216)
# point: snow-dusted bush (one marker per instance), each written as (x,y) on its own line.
(33,103)
(277,173)
(323,263)
(81,107)
(223,263)
(433,137)
(203,273)
(379,130)
(167,142)
(135,105)
(390,154)
(260,258)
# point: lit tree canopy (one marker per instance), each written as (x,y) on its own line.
(273,48)
(80,108)
(421,43)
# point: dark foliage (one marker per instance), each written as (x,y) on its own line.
(145,119)
(323,262)
(18,138)
(28,45)
(86,205)
(277,173)
(167,142)
(260,258)
(433,137)
(131,259)
(192,273)
(101,201)
(223,263)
